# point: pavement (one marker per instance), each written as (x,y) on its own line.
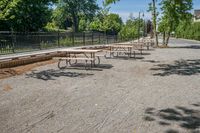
(158,92)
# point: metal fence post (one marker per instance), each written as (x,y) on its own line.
(99,38)
(12,40)
(92,38)
(73,38)
(40,40)
(107,38)
(58,38)
(104,38)
(116,38)
(83,38)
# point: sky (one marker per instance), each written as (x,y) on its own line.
(125,7)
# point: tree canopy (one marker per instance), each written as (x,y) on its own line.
(24,15)
(110,23)
(74,9)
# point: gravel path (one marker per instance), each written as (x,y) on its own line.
(159,93)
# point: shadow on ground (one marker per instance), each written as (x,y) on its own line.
(183,117)
(180,67)
(53,74)
(82,66)
(125,58)
(151,61)
(187,47)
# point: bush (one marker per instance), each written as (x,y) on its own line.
(188,31)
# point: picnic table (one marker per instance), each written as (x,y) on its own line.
(121,49)
(78,55)
(147,42)
(136,45)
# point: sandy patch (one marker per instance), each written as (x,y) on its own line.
(8,72)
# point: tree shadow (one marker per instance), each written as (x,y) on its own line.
(125,58)
(82,66)
(179,67)
(143,53)
(151,61)
(53,74)
(187,47)
(184,117)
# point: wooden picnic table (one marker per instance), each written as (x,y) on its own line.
(119,48)
(72,54)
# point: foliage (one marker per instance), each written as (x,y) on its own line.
(110,23)
(174,11)
(74,9)
(188,31)
(130,29)
(24,15)
(50,27)
(61,20)
(110,1)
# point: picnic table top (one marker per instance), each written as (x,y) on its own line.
(121,46)
(80,50)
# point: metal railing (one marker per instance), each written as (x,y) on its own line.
(15,42)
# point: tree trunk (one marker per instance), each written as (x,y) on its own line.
(169,34)
(167,40)
(75,23)
(164,34)
(155,22)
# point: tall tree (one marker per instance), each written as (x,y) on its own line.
(174,11)
(154,14)
(24,15)
(74,9)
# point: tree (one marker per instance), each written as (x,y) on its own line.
(110,1)
(106,22)
(74,9)
(174,11)
(130,29)
(163,28)
(110,23)
(24,15)
(188,31)
(153,9)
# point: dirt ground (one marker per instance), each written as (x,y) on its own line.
(9,72)
(159,92)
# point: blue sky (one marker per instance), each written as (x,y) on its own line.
(125,7)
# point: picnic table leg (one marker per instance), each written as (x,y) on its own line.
(147,46)
(110,51)
(91,61)
(67,55)
(94,59)
(134,54)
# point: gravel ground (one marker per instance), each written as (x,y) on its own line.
(159,93)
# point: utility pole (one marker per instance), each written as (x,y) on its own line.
(144,26)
